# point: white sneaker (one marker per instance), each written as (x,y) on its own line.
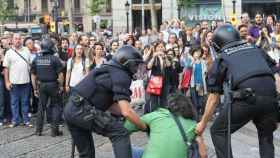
(28,124)
(1,123)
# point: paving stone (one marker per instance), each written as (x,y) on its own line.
(20,142)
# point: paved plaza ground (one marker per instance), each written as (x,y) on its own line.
(20,142)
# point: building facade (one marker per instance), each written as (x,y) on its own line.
(30,11)
(200,10)
(114,12)
(223,9)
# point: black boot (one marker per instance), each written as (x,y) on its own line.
(38,132)
(55,132)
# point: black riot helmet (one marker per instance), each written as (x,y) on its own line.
(129,58)
(47,46)
(225,35)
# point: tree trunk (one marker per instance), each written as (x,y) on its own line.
(153,14)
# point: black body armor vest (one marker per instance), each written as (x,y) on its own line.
(46,71)
(101,84)
(244,62)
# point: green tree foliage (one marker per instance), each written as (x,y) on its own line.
(186,3)
(95,6)
(5,12)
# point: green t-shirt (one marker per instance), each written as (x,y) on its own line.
(165,139)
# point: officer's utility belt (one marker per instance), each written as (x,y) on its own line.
(81,101)
(77,100)
(42,82)
(100,118)
(243,93)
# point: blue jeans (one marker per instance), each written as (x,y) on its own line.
(137,152)
(2,97)
(197,100)
(20,94)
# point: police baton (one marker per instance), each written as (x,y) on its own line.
(72,149)
(228,104)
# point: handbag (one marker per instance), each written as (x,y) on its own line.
(186,79)
(192,147)
(155,85)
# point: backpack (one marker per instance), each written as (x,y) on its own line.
(192,147)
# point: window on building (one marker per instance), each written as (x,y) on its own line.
(44,6)
(109,6)
(25,6)
(263,7)
(145,1)
(11,4)
(61,4)
(77,4)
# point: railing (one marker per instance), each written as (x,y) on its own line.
(20,19)
(145,1)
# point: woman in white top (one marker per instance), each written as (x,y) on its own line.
(77,68)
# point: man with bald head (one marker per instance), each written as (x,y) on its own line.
(17,79)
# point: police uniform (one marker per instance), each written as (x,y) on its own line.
(254,94)
(85,112)
(46,68)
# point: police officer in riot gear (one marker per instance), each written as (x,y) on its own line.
(101,101)
(47,80)
(251,73)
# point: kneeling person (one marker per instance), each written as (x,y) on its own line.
(165,138)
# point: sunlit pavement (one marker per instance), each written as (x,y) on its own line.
(20,142)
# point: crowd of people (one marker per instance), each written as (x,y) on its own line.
(178,54)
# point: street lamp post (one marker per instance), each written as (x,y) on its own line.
(127,5)
(180,6)
(55,15)
(143,14)
(233,6)
(16,8)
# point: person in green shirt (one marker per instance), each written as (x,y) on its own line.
(165,140)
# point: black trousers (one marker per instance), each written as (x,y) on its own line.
(82,122)
(261,110)
(34,103)
(49,91)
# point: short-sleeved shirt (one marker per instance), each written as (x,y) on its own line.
(165,138)
(104,86)
(18,68)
